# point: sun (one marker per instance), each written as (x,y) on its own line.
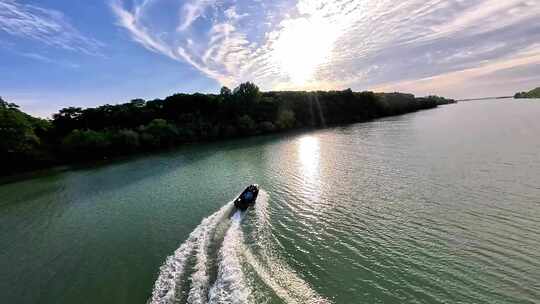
(301,46)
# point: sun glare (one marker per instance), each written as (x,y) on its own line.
(308,153)
(309,156)
(302,46)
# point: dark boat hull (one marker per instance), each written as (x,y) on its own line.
(247,198)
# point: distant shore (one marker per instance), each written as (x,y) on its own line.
(534,93)
(486,98)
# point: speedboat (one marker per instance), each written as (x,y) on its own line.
(247,198)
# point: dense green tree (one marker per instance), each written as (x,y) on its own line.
(225,92)
(164,134)
(138,103)
(68,119)
(22,140)
(285,119)
(7,105)
(105,131)
(266,127)
(247,93)
(246,125)
(86,144)
(16,131)
(230,131)
(125,141)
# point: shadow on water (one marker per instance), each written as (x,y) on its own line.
(103,175)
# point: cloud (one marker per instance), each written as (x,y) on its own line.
(46,26)
(46,59)
(139,33)
(191,11)
(311,44)
(492,78)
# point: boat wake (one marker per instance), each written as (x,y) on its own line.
(216,264)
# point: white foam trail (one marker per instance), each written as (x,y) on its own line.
(285,283)
(230,285)
(199,279)
(166,287)
(267,278)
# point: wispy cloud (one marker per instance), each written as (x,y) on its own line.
(491,78)
(191,11)
(336,44)
(45,59)
(171,43)
(130,20)
(46,26)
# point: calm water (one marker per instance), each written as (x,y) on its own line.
(439,206)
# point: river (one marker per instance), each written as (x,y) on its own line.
(437,206)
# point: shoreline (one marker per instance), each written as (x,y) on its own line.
(81,165)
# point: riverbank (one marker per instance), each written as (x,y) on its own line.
(81,165)
(76,135)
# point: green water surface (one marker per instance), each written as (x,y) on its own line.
(438,206)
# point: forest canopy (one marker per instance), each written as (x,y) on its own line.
(76,134)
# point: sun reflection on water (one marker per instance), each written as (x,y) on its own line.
(309,156)
(309,169)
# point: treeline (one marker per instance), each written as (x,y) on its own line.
(534,93)
(77,134)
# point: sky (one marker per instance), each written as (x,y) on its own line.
(59,53)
